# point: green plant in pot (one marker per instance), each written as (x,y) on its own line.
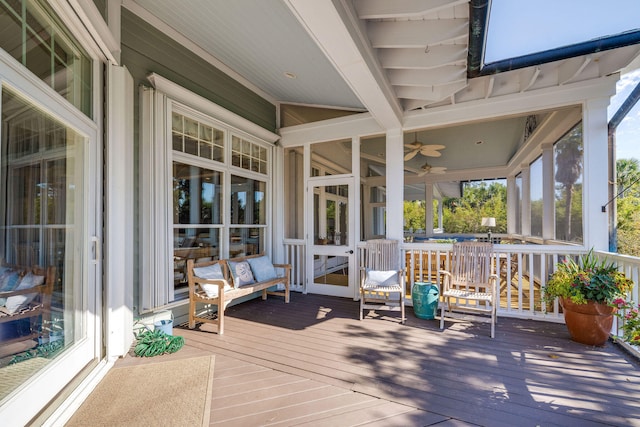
(587,289)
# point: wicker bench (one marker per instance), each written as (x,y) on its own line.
(215,283)
(28,301)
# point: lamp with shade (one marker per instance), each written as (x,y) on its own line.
(488,222)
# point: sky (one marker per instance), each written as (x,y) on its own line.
(534,26)
(628,132)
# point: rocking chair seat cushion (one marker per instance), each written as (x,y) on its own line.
(381,279)
(459,293)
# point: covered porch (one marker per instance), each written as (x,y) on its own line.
(312,362)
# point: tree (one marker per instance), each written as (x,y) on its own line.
(569,170)
(627,177)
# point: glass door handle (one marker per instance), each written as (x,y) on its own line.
(349,251)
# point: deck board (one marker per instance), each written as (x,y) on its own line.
(312,362)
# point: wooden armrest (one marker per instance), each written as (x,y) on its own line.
(41,289)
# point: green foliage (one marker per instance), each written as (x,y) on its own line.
(628,206)
(629,314)
(479,199)
(414,214)
(588,279)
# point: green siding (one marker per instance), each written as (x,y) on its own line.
(102,7)
(146,50)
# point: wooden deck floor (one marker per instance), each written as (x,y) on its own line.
(313,363)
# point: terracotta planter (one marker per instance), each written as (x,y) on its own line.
(588,323)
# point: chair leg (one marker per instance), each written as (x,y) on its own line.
(192,310)
(444,302)
(361,304)
(402,309)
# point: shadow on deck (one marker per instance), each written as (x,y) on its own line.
(312,362)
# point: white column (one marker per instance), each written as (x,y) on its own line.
(526,200)
(428,197)
(595,174)
(512,207)
(395,183)
(548,194)
(440,214)
(119,212)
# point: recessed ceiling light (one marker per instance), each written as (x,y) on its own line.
(478,142)
(289,75)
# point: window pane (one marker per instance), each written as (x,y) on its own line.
(248,199)
(197,195)
(246,241)
(331,157)
(192,137)
(535,172)
(40,188)
(195,243)
(47,51)
(518,226)
(567,154)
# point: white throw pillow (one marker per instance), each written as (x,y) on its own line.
(213,271)
(18,302)
(262,268)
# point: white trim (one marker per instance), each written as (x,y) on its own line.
(119,211)
(157,23)
(83,27)
(71,404)
(185,96)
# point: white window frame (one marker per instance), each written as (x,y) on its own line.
(156,174)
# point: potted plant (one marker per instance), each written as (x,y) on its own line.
(587,289)
(629,315)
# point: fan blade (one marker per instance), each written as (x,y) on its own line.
(430,153)
(438,169)
(414,145)
(410,155)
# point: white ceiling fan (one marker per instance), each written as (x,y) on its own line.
(427,168)
(416,147)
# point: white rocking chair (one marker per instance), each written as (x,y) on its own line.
(382,284)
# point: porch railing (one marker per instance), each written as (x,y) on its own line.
(523,271)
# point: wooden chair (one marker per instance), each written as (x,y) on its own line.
(382,284)
(470,286)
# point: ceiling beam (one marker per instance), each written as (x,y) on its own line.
(422,58)
(383,9)
(416,34)
(336,30)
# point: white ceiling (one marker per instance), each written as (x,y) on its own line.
(381,56)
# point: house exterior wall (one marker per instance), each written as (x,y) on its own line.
(147,50)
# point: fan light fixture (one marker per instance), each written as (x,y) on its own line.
(417,147)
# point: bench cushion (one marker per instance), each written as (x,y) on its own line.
(262,268)
(213,271)
(241,273)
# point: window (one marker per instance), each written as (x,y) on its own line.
(248,216)
(247,155)
(211,178)
(32,36)
(41,224)
(192,137)
(568,158)
(535,181)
